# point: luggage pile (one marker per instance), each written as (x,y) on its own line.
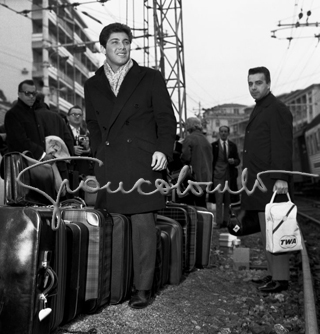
(54,268)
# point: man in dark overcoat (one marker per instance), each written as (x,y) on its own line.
(28,122)
(132,127)
(225,162)
(268,145)
(196,152)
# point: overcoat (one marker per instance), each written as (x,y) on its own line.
(125,132)
(196,151)
(268,145)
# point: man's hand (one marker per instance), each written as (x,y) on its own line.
(281,187)
(78,150)
(159,161)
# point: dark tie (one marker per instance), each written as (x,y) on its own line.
(225,151)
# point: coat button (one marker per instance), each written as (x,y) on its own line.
(107,143)
(129,140)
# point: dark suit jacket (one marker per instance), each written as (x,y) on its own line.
(233,170)
(232,154)
(267,146)
(125,131)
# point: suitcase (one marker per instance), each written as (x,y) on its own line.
(77,254)
(98,277)
(165,247)
(204,236)
(121,267)
(31,276)
(181,216)
(174,230)
(192,233)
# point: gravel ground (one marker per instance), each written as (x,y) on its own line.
(218,299)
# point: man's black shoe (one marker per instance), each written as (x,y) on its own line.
(262,280)
(140,299)
(274,286)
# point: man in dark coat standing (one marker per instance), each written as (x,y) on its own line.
(268,145)
(27,124)
(132,128)
(225,162)
(196,152)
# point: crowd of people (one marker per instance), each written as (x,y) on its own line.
(130,126)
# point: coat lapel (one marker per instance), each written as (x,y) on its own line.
(128,86)
(102,84)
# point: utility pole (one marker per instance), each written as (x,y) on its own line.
(169,53)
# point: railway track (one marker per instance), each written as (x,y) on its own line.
(309,213)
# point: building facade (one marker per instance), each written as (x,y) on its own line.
(225,114)
(49,40)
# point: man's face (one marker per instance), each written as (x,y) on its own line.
(258,86)
(75,117)
(118,50)
(223,133)
(28,94)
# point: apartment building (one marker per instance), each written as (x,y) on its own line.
(53,48)
(224,114)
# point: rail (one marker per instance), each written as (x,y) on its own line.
(310,312)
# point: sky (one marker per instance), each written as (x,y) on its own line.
(223,39)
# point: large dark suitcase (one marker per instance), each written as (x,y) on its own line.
(77,255)
(98,278)
(174,229)
(121,268)
(186,215)
(31,261)
(204,237)
(181,216)
(191,233)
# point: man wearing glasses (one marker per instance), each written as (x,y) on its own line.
(29,121)
(23,128)
(81,142)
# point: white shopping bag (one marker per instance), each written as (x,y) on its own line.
(282,229)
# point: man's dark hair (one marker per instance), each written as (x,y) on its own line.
(225,126)
(27,82)
(263,70)
(111,28)
(74,107)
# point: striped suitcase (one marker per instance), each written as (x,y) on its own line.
(32,278)
(174,230)
(98,278)
(121,268)
(77,254)
(204,236)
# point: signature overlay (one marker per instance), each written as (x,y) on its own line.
(162,186)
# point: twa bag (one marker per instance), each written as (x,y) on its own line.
(282,230)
